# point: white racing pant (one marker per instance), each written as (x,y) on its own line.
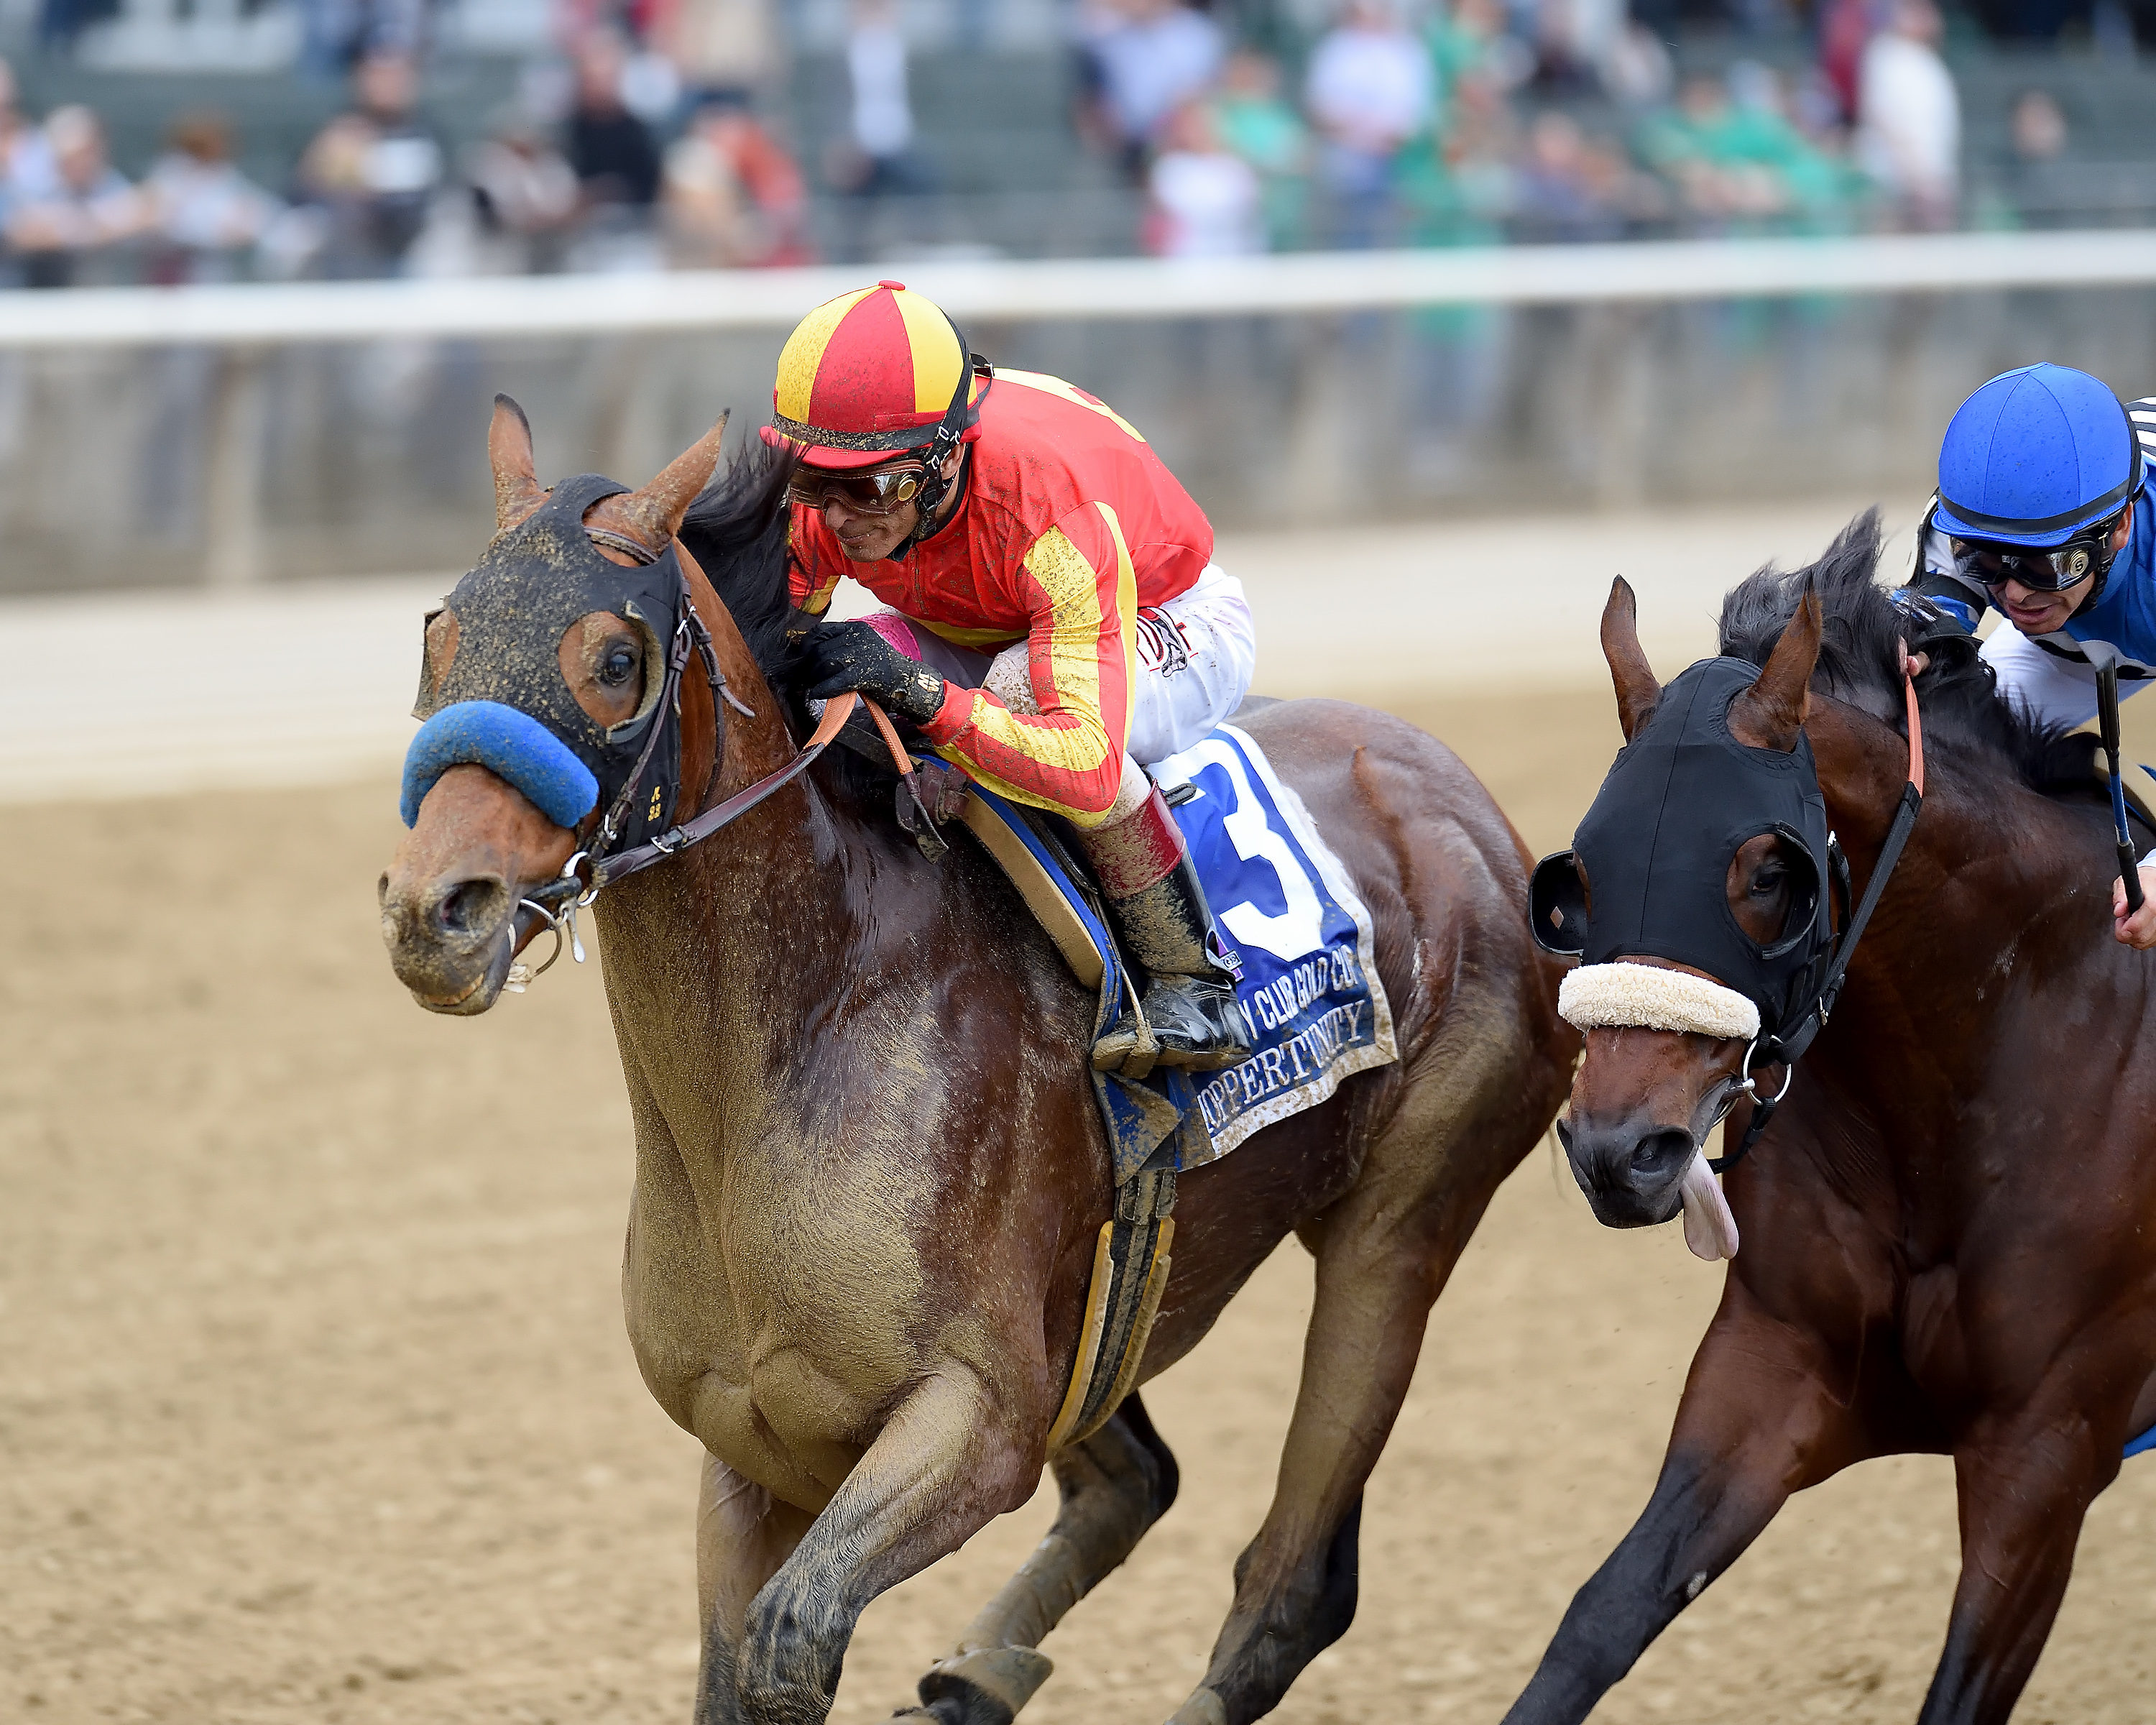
(1195,657)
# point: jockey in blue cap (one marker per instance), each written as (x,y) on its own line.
(2042,511)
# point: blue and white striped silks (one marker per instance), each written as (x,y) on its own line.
(513,745)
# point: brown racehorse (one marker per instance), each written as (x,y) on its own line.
(870,1171)
(1945,1244)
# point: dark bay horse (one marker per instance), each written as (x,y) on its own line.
(1946,1230)
(870,1171)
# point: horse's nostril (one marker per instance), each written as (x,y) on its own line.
(468,906)
(1662,1152)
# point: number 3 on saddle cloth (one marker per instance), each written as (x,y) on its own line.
(1299,939)
(1306,978)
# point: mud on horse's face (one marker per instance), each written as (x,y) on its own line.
(1719,801)
(540,684)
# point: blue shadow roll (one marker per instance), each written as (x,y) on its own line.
(514,746)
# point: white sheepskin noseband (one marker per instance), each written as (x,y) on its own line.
(1648,998)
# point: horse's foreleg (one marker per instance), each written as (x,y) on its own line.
(743,1534)
(1114,1485)
(2024,1486)
(946,1463)
(1758,1421)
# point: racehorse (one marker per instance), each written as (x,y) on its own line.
(870,1171)
(1944,1232)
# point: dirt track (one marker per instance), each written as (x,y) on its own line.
(315,1404)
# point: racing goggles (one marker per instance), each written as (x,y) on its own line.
(878,492)
(2052,570)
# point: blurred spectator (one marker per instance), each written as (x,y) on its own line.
(1741,162)
(1141,59)
(715,45)
(206,214)
(1573,39)
(525,196)
(733,196)
(1909,117)
(88,209)
(1844,27)
(612,152)
(60,23)
(876,159)
(1207,202)
(1567,188)
(1370,90)
(26,157)
(338,34)
(1635,69)
(373,170)
(1253,121)
(2037,129)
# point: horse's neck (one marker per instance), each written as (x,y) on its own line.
(1992,896)
(731,953)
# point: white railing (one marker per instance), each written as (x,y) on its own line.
(1293,284)
(244,323)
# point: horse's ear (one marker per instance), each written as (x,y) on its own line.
(654,514)
(516,488)
(1771,713)
(1637,690)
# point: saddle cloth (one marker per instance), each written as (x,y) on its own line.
(1300,934)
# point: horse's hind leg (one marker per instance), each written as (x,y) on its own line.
(1383,1252)
(2024,1484)
(1114,1485)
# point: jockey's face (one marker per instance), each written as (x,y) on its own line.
(2035,612)
(868,537)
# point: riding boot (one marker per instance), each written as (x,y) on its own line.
(1189,1015)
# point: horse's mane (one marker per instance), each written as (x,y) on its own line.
(737,529)
(1860,659)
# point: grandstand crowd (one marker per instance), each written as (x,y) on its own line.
(658,133)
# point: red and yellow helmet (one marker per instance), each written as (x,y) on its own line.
(872,374)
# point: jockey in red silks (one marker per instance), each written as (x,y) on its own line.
(1056,619)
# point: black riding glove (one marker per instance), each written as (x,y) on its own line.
(840,656)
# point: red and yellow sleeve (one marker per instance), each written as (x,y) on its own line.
(1080,593)
(811,572)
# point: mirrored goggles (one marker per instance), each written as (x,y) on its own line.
(2052,570)
(878,491)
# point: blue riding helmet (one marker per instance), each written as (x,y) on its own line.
(2035,456)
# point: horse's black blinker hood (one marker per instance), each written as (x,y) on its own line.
(1657,842)
(535,582)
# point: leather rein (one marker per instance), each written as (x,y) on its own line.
(1784,1048)
(554,905)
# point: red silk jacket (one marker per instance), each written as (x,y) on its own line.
(1068,524)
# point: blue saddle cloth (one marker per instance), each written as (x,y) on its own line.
(2142,1445)
(1302,947)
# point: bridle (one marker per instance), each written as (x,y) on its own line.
(599,865)
(1785,1046)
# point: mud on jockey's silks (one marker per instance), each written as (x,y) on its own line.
(1647,875)
(504,703)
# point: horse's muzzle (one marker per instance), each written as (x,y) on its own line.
(451,943)
(1631,1170)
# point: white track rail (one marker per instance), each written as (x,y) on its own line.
(254,317)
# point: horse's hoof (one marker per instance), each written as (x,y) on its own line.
(1204,1707)
(985,1687)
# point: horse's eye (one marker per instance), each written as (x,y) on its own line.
(618,667)
(1770,879)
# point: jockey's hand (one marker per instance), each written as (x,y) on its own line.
(840,656)
(2138,930)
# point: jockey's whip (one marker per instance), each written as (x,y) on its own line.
(2107,711)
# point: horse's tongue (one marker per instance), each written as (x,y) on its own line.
(1710,1230)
